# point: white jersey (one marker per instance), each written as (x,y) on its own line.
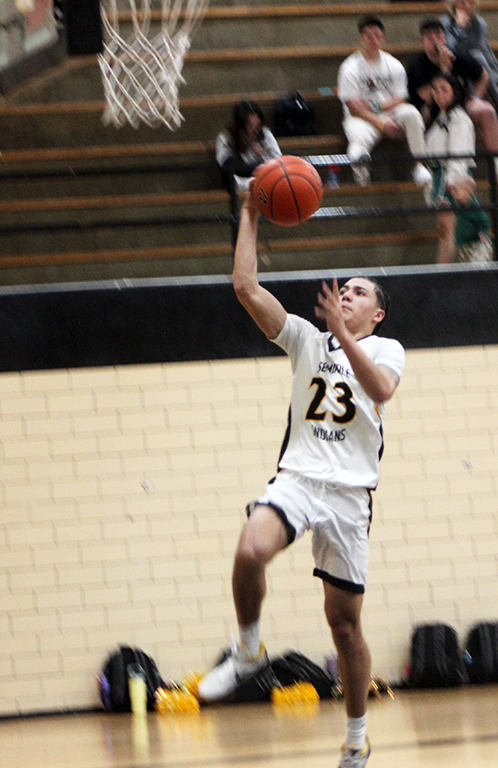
(375,82)
(335,429)
(452,134)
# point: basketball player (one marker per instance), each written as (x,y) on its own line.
(327,468)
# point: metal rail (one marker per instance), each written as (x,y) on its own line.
(326,212)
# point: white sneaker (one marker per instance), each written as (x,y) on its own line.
(354,758)
(423,179)
(421,175)
(361,175)
(238,667)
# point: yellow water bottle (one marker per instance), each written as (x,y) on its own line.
(137,688)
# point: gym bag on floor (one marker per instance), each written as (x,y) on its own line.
(113,680)
(436,661)
(294,667)
(482,653)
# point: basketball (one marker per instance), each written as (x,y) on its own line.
(287,189)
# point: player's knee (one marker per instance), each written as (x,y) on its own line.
(344,630)
(249,555)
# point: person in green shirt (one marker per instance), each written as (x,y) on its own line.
(472,232)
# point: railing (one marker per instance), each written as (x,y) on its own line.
(326,212)
(362,211)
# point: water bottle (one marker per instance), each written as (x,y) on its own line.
(137,688)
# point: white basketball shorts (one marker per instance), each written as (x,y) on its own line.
(339,518)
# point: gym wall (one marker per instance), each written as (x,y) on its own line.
(123,481)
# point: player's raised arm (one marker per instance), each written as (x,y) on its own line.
(349,325)
(266,311)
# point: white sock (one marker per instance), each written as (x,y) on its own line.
(356,734)
(249,636)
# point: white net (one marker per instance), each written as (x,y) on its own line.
(142,72)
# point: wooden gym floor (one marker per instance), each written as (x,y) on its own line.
(418,729)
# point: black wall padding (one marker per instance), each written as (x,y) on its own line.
(83,26)
(115,324)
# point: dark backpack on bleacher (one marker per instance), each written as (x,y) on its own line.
(294,116)
(482,653)
(435,659)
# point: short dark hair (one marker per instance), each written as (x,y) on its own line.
(383,300)
(428,24)
(370,21)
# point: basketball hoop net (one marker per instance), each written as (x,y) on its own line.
(142,73)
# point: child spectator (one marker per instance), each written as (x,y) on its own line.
(472,231)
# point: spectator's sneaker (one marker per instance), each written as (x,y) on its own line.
(238,667)
(361,175)
(360,168)
(422,175)
(423,179)
(354,758)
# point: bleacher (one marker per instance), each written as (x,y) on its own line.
(80,200)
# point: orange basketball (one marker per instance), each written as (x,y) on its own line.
(288,190)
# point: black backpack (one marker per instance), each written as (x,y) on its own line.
(436,661)
(294,116)
(482,653)
(293,667)
(256,688)
(113,680)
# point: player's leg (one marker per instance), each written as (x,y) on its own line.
(340,523)
(343,609)
(262,537)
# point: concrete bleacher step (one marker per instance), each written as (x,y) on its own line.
(203,200)
(396,248)
(255,26)
(72,124)
(53,123)
(248,35)
(157,168)
(230,70)
(175,223)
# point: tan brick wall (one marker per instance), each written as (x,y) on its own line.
(123,493)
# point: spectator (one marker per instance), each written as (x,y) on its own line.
(450,132)
(372,86)
(436,59)
(241,147)
(472,235)
(466,32)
